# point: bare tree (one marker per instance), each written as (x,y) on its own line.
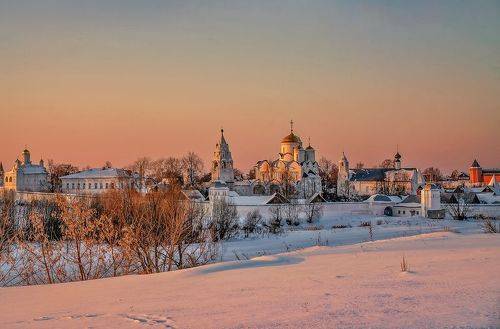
(57,170)
(274,224)
(313,211)
(328,171)
(454,174)
(8,238)
(224,223)
(142,166)
(387,163)
(86,253)
(360,165)
(459,207)
(169,169)
(287,184)
(291,213)
(432,174)
(192,166)
(253,220)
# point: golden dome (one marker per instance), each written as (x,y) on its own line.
(292,138)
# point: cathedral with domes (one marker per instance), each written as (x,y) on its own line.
(295,171)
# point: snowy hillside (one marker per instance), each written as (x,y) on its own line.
(452,282)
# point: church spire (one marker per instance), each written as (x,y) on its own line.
(222,139)
(222,164)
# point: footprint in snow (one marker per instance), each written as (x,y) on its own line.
(147,319)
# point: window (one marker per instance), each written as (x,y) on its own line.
(73,186)
(84,186)
(106,185)
(404,212)
(67,185)
(112,185)
(399,211)
(78,186)
(95,185)
(100,185)
(7,179)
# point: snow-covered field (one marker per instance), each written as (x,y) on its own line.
(342,281)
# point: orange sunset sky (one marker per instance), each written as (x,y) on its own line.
(89,81)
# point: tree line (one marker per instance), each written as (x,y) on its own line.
(123,232)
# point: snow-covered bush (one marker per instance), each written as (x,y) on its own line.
(274,224)
(291,213)
(252,223)
(313,212)
(224,221)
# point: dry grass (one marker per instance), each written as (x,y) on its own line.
(489,226)
(405,267)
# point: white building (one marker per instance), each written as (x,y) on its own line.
(25,176)
(98,180)
(369,181)
(295,167)
(222,164)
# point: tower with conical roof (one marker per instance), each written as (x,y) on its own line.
(475,172)
(343,176)
(222,164)
(397,160)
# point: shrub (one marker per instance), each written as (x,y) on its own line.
(274,223)
(405,267)
(341,226)
(224,224)
(291,213)
(489,226)
(313,212)
(252,222)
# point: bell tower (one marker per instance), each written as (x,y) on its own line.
(222,163)
(475,172)
(343,176)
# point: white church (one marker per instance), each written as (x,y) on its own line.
(25,176)
(294,172)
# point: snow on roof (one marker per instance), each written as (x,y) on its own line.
(251,200)
(99,173)
(245,182)
(383,198)
(193,195)
(411,199)
(33,169)
(408,205)
(488,198)
(317,197)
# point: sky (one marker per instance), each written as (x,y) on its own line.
(89,81)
